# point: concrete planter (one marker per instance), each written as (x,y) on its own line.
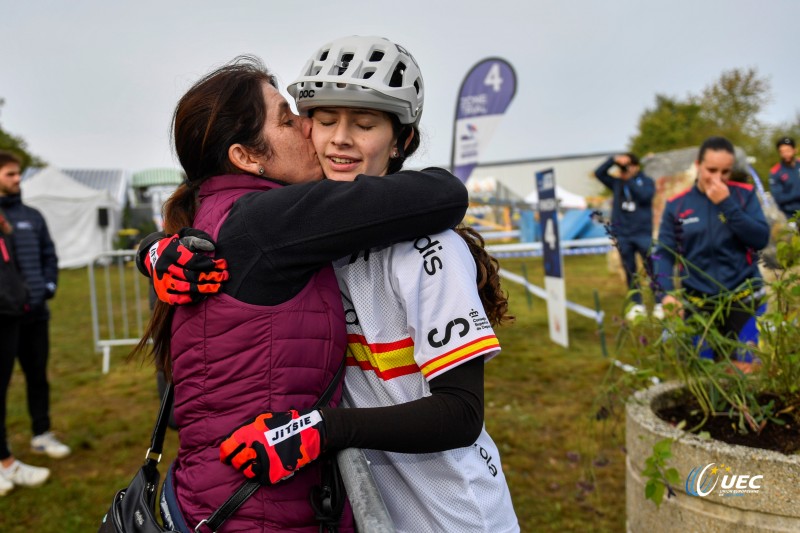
(769,503)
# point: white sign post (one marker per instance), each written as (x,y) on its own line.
(553,262)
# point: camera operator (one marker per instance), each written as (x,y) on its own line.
(631,219)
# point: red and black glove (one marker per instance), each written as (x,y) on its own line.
(275,445)
(180,275)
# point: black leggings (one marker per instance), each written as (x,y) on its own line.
(30,343)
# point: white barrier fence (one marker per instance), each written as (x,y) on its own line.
(599,245)
(119,302)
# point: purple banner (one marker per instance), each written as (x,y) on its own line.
(485,95)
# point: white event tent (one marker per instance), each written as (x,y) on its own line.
(73,212)
(566,199)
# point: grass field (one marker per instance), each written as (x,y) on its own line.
(566,472)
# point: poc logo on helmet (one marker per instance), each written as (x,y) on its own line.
(306,93)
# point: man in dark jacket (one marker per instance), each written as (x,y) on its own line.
(784,177)
(631,217)
(27,338)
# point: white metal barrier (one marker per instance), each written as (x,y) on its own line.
(369,511)
(597,245)
(595,314)
(124,299)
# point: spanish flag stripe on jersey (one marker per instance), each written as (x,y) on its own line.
(377,347)
(394,359)
(388,360)
(438,364)
(384,374)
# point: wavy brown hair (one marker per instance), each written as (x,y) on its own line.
(225,107)
(494,300)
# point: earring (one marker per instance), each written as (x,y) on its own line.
(395,154)
(260,171)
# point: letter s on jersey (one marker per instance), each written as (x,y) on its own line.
(448,332)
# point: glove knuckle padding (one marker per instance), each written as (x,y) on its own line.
(196,239)
(197,244)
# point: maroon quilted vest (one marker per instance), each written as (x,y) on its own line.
(232,361)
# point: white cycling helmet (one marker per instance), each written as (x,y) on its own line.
(367,72)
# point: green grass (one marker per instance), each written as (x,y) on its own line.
(539,410)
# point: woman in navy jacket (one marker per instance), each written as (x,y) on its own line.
(715,230)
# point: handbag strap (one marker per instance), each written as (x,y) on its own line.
(160,429)
(246,489)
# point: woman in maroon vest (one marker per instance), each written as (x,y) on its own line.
(275,337)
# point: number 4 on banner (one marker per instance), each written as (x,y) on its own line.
(493,78)
(483,97)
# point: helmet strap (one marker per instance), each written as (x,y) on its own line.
(402,137)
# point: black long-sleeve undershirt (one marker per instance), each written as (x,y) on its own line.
(275,240)
(451,417)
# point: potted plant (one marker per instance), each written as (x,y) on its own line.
(714,446)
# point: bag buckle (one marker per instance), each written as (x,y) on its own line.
(202,522)
(147,457)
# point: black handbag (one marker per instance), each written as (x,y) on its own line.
(133,508)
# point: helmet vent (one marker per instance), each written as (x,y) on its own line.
(377,55)
(397,75)
(416,85)
(346,59)
(367,75)
(324,55)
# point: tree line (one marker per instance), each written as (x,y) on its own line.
(731,106)
(18,146)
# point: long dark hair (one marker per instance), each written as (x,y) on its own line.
(494,300)
(223,108)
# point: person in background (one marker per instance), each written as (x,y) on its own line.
(714,231)
(784,177)
(27,338)
(275,338)
(631,220)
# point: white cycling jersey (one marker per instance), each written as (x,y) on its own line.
(416,314)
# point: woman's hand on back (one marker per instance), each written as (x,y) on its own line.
(180,269)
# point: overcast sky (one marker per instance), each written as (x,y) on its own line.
(93,83)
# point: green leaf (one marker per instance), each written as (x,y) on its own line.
(650,489)
(654,491)
(673,477)
(651,471)
(663,447)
